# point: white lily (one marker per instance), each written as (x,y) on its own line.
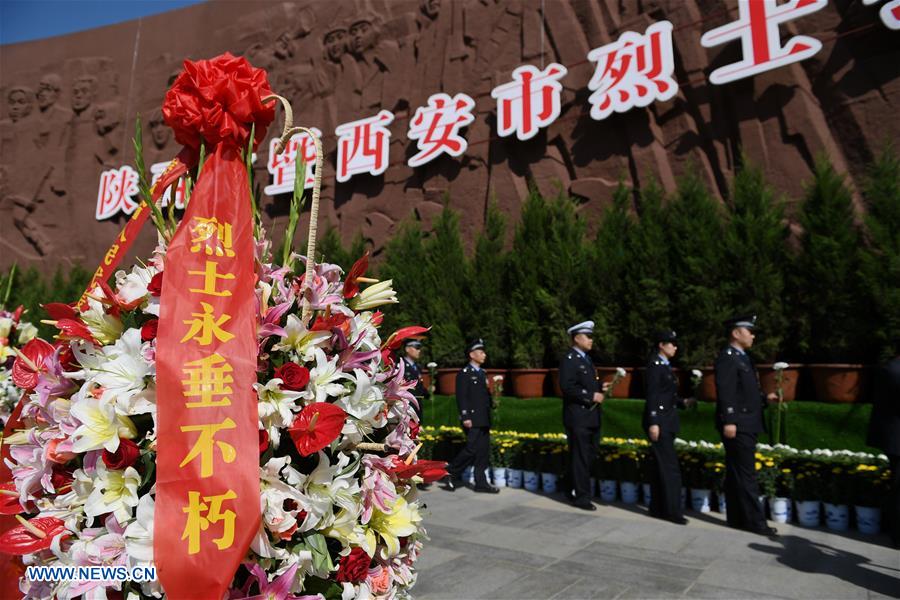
(133,286)
(300,339)
(105,328)
(366,403)
(114,491)
(25,333)
(620,372)
(276,407)
(119,369)
(5,326)
(139,533)
(324,376)
(101,426)
(377,294)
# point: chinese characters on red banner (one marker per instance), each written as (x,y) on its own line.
(635,71)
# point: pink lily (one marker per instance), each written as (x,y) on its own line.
(280,589)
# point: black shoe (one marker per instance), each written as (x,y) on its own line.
(488,489)
(448,485)
(677,520)
(764,530)
(585,506)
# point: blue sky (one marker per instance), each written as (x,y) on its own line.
(23,20)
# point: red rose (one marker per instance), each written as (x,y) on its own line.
(217,100)
(155,285)
(125,456)
(354,567)
(263,440)
(149,329)
(293,377)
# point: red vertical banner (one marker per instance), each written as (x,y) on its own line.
(207,479)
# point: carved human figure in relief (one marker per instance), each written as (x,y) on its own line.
(107,117)
(379,85)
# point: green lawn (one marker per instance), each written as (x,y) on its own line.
(809,424)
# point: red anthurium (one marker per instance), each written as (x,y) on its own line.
(17,314)
(30,362)
(401,334)
(428,470)
(359,268)
(316,426)
(72,329)
(58,310)
(335,321)
(23,539)
(9,502)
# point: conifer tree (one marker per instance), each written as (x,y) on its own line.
(827,281)
(756,259)
(488,289)
(647,281)
(606,284)
(695,249)
(881,262)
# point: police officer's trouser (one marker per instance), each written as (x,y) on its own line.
(665,478)
(583,445)
(477,452)
(744,510)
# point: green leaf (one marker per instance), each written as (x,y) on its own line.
(319,549)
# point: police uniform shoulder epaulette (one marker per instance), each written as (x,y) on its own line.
(658,361)
(467,369)
(731,352)
(570,355)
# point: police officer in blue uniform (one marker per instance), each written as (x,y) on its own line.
(739,418)
(581,411)
(474,402)
(661,423)
(412,350)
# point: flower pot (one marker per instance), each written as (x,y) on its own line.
(808,513)
(498,475)
(514,478)
(532,481)
(838,383)
(629,492)
(528,383)
(555,390)
(837,517)
(720,500)
(768,379)
(868,519)
(548,483)
(623,386)
(780,509)
(645,500)
(446,381)
(700,501)
(608,490)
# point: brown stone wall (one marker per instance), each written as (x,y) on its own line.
(842,102)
